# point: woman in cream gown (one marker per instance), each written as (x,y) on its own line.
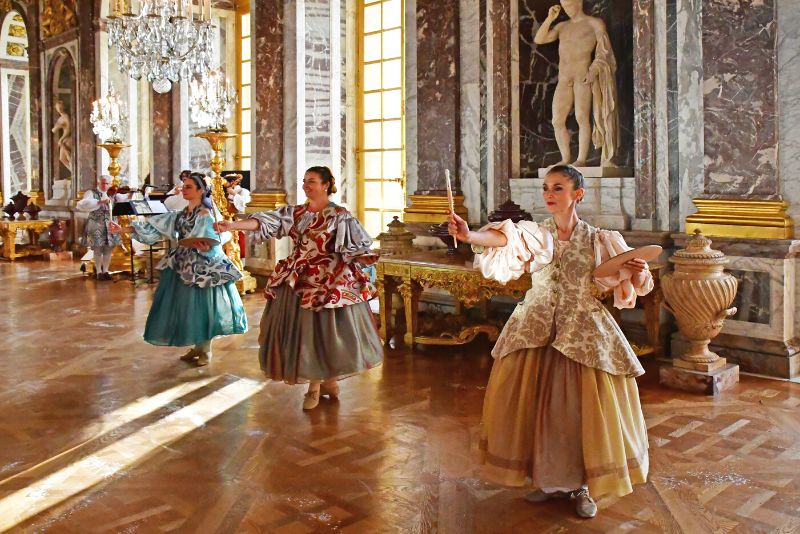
(562,407)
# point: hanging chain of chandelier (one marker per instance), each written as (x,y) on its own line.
(167,41)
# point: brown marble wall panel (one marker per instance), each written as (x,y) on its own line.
(268,99)
(87,93)
(538,66)
(739,104)
(438,101)
(644,122)
(501,87)
(162,116)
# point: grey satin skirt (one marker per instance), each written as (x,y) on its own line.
(299,345)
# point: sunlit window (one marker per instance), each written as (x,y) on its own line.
(244,105)
(381,137)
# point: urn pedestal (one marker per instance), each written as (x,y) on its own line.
(699,294)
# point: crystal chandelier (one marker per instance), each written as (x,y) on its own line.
(109,117)
(210,100)
(167,41)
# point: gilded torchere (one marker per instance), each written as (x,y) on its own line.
(247,284)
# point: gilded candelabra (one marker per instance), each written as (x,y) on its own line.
(217,138)
(114,167)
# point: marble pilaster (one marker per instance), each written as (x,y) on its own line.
(739,98)
(317,90)
(500,84)
(412,158)
(162,115)
(268,101)
(292,83)
(650,115)
(689,64)
(469,38)
(30,16)
(673,153)
(87,93)
(788,87)
(438,94)
(486,164)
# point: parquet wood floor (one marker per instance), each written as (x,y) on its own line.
(395,454)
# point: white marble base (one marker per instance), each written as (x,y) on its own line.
(596,172)
(608,203)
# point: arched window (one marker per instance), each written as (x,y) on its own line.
(14,42)
(15,106)
(381,113)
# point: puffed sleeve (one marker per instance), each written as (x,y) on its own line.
(87,203)
(155,228)
(529,249)
(626,284)
(353,242)
(241,199)
(175,202)
(273,224)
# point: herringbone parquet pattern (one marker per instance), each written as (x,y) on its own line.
(394,454)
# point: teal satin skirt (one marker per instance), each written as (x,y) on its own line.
(183,315)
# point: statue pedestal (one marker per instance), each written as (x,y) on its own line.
(718,376)
(596,172)
(608,203)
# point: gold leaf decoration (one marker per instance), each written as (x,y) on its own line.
(58,16)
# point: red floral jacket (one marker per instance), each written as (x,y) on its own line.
(330,250)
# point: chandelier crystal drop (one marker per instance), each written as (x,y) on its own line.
(109,117)
(210,100)
(167,41)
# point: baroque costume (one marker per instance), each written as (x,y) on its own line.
(317,324)
(562,406)
(196,298)
(95,234)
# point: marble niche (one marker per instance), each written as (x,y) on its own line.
(609,201)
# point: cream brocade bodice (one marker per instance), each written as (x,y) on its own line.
(561,307)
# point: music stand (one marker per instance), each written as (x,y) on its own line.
(144,208)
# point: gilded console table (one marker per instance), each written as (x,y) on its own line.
(410,274)
(8,229)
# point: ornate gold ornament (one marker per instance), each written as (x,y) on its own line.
(58,16)
(14,49)
(764,219)
(432,209)
(699,294)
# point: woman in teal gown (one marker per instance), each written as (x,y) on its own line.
(196,299)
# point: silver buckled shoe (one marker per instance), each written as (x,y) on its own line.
(584,504)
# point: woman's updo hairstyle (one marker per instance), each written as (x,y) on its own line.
(200,181)
(325,176)
(570,173)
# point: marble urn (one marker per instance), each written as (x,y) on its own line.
(699,294)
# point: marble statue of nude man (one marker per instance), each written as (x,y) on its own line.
(586,82)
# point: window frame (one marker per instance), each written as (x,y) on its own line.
(361,121)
